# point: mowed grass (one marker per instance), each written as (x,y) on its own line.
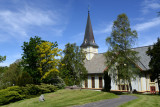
(144,101)
(63,98)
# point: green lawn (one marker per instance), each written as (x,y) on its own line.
(144,101)
(63,98)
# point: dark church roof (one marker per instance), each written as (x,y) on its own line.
(89,37)
(97,63)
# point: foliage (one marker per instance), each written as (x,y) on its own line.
(7,96)
(48,61)
(154,63)
(107,82)
(15,76)
(30,58)
(120,57)
(65,98)
(15,93)
(73,70)
(3,69)
(31,89)
(2,58)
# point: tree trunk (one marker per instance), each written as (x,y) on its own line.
(130,87)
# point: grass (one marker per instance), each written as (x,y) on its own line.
(144,101)
(63,98)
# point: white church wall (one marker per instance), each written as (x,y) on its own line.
(143,83)
(102,81)
(89,82)
(135,85)
(96,81)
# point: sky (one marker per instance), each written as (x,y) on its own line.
(64,21)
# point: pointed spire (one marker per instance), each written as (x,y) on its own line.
(89,37)
(88,9)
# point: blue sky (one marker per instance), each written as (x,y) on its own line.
(65,20)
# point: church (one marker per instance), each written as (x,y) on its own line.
(95,65)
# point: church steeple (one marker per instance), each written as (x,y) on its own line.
(89,37)
(89,45)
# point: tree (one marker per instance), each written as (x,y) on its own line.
(2,58)
(15,75)
(48,61)
(154,63)
(107,80)
(30,58)
(120,58)
(73,70)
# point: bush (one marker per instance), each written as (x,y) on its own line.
(15,93)
(59,83)
(7,96)
(32,89)
(39,89)
(15,88)
(51,88)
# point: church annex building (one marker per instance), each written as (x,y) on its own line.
(95,65)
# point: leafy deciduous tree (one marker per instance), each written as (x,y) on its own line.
(48,61)
(30,58)
(73,70)
(120,57)
(15,75)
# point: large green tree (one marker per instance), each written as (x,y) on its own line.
(30,58)
(154,63)
(120,58)
(73,70)
(48,61)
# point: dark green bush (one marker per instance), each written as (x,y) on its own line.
(15,93)
(51,88)
(7,96)
(32,89)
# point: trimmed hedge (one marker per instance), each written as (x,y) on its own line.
(15,93)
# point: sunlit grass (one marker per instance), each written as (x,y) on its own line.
(144,101)
(63,98)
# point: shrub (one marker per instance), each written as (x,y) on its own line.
(15,93)
(15,88)
(32,89)
(59,83)
(7,96)
(51,88)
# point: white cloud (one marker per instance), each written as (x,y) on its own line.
(146,25)
(149,5)
(16,24)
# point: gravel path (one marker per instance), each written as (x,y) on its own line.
(110,102)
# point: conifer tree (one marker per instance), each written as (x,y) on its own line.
(120,58)
(154,63)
